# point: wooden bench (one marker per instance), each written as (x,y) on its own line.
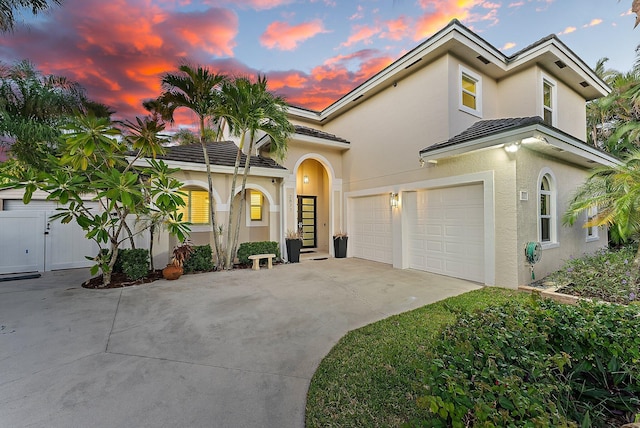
(257,257)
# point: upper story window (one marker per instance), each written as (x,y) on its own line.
(549,110)
(470,92)
(196,210)
(547,209)
(255,208)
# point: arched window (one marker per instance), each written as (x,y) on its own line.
(196,209)
(547,208)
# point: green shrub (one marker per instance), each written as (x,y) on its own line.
(605,275)
(133,262)
(200,259)
(247,249)
(535,364)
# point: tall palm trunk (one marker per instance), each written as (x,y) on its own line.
(236,167)
(243,192)
(212,211)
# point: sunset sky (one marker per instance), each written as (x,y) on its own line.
(311,51)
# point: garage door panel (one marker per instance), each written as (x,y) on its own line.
(372,224)
(454,222)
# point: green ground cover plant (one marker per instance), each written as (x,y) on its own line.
(491,357)
(607,275)
(373,376)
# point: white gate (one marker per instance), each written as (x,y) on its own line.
(21,241)
(31,242)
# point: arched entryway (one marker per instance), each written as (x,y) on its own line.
(313,189)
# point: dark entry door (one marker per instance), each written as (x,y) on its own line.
(307,220)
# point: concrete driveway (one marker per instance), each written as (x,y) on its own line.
(231,349)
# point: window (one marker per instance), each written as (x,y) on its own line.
(196,209)
(548,101)
(547,209)
(592,231)
(256,206)
(470,92)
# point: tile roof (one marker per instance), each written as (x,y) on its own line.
(310,132)
(486,128)
(220,153)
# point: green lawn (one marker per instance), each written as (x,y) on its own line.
(370,378)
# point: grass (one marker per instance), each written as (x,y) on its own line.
(606,275)
(372,376)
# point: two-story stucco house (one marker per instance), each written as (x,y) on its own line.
(452,158)
(449,160)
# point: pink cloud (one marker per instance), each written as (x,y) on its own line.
(361,33)
(118,50)
(280,35)
(568,30)
(439,14)
(397,29)
(253,4)
(593,23)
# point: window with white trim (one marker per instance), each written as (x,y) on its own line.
(592,231)
(470,92)
(547,210)
(549,101)
(196,209)
(255,208)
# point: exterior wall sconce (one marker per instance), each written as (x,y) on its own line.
(305,179)
(393,201)
(511,148)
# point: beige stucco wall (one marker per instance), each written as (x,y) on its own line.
(460,120)
(572,241)
(517,94)
(389,129)
(265,230)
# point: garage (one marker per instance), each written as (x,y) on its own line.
(446,231)
(30,241)
(370,235)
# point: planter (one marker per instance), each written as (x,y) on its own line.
(172,272)
(293,250)
(340,247)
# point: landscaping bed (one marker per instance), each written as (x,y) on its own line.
(491,357)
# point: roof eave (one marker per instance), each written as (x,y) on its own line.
(545,136)
(254,171)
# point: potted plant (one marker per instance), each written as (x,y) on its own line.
(180,254)
(294,245)
(340,245)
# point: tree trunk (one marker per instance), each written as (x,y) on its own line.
(229,244)
(212,212)
(243,193)
(106,274)
(152,229)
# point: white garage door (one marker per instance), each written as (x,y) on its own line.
(59,246)
(446,231)
(370,235)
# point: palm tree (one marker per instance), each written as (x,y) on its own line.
(8,7)
(33,107)
(197,89)
(614,191)
(248,109)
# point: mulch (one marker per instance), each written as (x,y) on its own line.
(119,280)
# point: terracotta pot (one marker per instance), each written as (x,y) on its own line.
(172,272)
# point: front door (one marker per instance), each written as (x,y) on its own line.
(307,220)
